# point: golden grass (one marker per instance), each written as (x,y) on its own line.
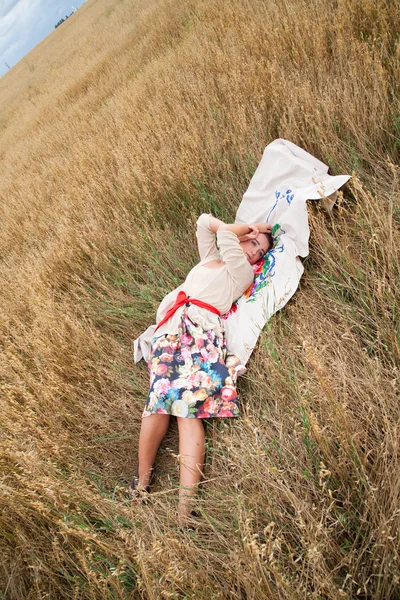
(116,132)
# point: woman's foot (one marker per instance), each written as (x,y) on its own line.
(140,485)
(187,519)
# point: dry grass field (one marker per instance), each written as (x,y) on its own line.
(116,132)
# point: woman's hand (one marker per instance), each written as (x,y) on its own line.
(253,233)
(255,230)
(264,227)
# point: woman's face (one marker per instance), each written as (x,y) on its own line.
(255,249)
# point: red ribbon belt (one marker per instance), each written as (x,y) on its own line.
(182,299)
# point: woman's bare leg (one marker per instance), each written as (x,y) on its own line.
(191,452)
(152,431)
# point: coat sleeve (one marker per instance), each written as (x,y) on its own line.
(232,254)
(206,241)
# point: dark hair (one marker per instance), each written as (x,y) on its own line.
(270,239)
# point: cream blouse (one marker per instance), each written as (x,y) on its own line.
(219,287)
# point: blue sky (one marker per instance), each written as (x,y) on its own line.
(25,23)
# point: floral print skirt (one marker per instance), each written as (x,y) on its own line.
(191,374)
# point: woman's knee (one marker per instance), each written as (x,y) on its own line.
(185,424)
(156,418)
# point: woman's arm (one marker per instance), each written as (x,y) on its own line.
(206,241)
(229,238)
(215,223)
(240,229)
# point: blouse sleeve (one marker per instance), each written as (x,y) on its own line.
(232,254)
(206,238)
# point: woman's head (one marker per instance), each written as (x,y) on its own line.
(256,248)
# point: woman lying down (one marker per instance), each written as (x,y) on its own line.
(192,374)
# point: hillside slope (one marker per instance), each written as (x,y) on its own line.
(116,132)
